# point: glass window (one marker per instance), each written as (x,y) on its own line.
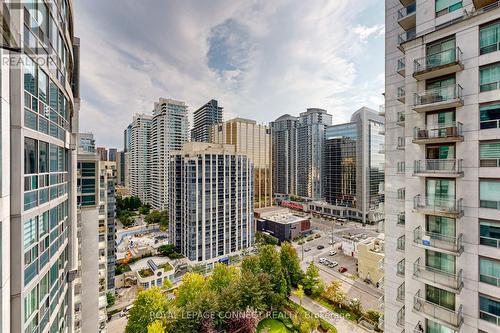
(489,38)
(433,327)
(489,154)
(30,303)
(489,233)
(30,232)
(42,86)
(440,261)
(489,271)
(489,77)
(440,297)
(43,156)
(489,194)
(440,225)
(30,156)
(440,188)
(30,78)
(489,116)
(53,158)
(447,6)
(489,309)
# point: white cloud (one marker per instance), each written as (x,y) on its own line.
(284,56)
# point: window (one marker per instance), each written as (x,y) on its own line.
(440,226)
(489,271)
(489,194)
(489,38)
(489,77)
(440,261)
(42,85)
(30,77)
(447,6)
(30,303)
(30,156)
(30,232)
(401,167)
(489,232)
(433,327)
(489,116)
(441,52)
(43,156)
(440,297)
(489,310)
(440,189)
(489,154)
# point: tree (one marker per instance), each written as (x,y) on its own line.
(166,250)
(110,299)
(153,217)
(156,327)
(291,265)
(299,292)
(222,277)
(312,283)
(270,263)
(243,322)
(334,293)
(149,306)
(253,289)
(355,306)
(167,284)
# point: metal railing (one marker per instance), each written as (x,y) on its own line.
(488,241)
(437,95)
(454,318)
(489,317)
(440,241)
(401,65)
(401,317)
(400,269)
(405,11)
(489,279)
(401,92)
(400,117)
(438,205)
(407,35)
(451,130)
(435,60)
(489,204)
(439,166)
(401,219)
(455,281)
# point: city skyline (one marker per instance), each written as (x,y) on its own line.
(335,48)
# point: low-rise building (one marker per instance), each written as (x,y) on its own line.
(370,256)
(282,223)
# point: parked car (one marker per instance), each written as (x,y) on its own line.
(320,247)
(333,264)
(307,249)
(332,242)
(332,253)
(342,269)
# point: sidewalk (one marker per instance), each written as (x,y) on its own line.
(343,325)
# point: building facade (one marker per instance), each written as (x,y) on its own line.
(210,201)
(354,163)
(253,140)
(169,131)
(112,154)
(127,138)
(442,111)
(284,154)
(139,170)
(39,123)
(203,119)
(109,172)
(310,142)
(103,153)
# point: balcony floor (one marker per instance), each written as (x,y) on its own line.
(424,141)
(449,174)
(436,212)
(437,71)
(452,103)
(409,21)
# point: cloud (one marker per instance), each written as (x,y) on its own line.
(259,58)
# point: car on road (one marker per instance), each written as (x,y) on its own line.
(332,242)
(320,247)
(333,264)
(125,311)
(332,253)
(307,249)
(342,269)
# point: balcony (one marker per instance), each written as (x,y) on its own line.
(439,314)
(381,110)
(438,64)
(401,67)
(406,2)
(451,282)
(401,94)
(452,132)
(401,219)
(447,207)
(406,36)
(478,4)
(439,98)
(400,118)
(449,168)
(407,17)
(401,143)
(435,241)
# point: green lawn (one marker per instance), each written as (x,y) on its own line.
(274,326)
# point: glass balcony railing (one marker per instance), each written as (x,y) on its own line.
(439,166)
(401,219)
(406,36)
(407,10)
(452,132)
(430,274)
(401,66)
(438,205)
(439,95)
(441,313)
(479,4)
(438,60)
(401,94)
(401,117)
(438,241)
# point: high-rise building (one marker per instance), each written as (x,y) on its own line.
(90,298)
(139,171)
(108,178)
(103,153)
(442,183)
(213,218)
(310,139)
(353,170)
(112,154)
(127,138)
(39,125)
(255,141)
(126,170)
(169,131)
(284,154)
(206,116)
(120,168)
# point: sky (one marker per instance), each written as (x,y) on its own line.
(259,58)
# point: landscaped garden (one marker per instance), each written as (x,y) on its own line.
(269,325)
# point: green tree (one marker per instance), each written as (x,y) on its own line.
(270,263)
(167,284)
(290,263)
(299,292)
(253,289)
(250,264)
(222,277)
(312,283)
(110,299)
(156,327)
(334,293)
(153,217)
(149,306)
